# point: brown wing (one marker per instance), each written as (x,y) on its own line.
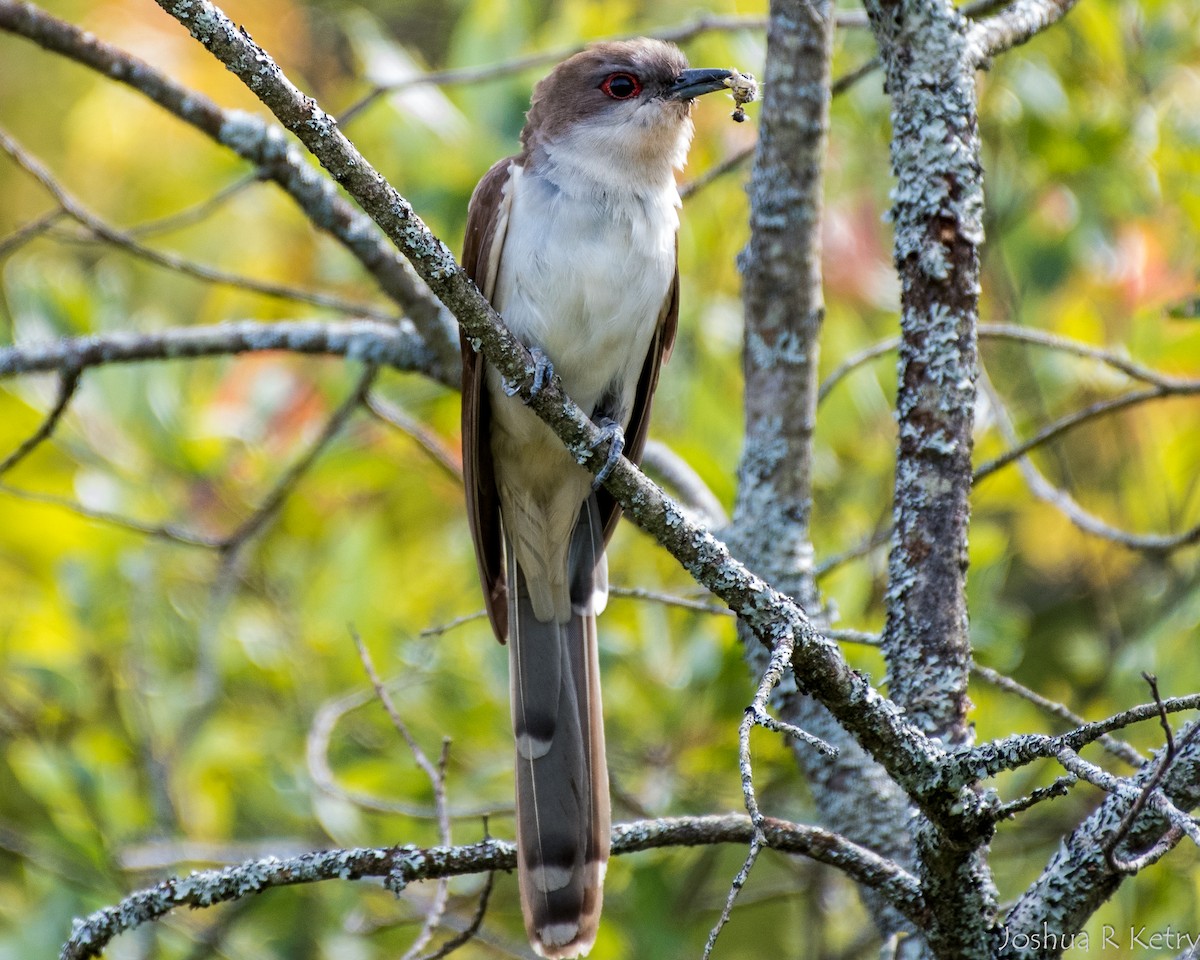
(487,216)
(639,420)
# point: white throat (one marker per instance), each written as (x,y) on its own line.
(638,156)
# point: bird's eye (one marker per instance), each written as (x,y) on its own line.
(621,86)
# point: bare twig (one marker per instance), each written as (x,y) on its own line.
(394,415)
(167,531)
(438,629)
(757,715)
(1030,335)
(1180,824)
(465,935)
(669,600)
(320,735)
(1077,417)
(196,213)
(35,228)
(437,780)
(1114,745)
(1059,788)
(1009,753)
(290,477)
(1044,490)
(680,476)
(1121,864)
(68,381)
(118,238)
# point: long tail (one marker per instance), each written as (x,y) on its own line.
(563,817)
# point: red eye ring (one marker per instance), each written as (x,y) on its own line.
(621,86)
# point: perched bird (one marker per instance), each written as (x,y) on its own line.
(573,240)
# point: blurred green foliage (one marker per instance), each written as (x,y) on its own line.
(154,715)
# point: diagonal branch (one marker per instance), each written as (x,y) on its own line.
(1018,23)
(68,382)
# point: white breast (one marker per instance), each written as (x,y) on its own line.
(584,275)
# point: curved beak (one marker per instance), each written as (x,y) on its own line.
(692,83)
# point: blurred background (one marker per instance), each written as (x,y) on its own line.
(167,706)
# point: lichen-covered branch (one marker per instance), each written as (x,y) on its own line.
(937,213)
(938,218)
(369,341)
(400,866)
(784,309)
(1078,878)
(1016,24)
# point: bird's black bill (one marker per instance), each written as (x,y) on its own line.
(693,83)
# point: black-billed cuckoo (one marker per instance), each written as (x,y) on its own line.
(574,242)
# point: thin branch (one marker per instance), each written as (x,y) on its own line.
(1059,788)
(317,746)
(669,600)
(1077,417)
(68,382)
(437,780)
(438,629)
(35,228)
(1121,864)
(402,865)
(757,715)
(688,485)
(290,477)
(1044,490)
(197,212)
(1148,795)
(396,416)
(109,234)
(1117,747)
(464,936)
(1009,753)
(1008,331)
(167,531)
(869,544)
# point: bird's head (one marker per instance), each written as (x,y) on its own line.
(619,104)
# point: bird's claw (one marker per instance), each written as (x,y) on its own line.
(543,370)
(612,434)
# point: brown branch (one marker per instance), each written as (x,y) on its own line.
(290,477)
(68,382)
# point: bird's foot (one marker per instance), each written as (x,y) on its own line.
(611,433)
(543,370)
